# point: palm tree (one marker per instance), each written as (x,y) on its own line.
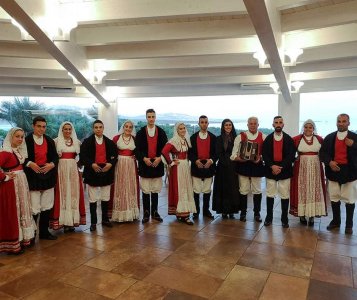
(19,112)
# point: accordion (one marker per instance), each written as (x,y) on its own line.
(249,150)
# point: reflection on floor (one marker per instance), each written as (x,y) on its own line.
(214,259)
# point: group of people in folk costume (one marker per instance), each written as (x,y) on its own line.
(41,187)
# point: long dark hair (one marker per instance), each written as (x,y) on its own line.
(227,138)
(233,133)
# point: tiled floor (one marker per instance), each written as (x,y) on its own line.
(214,259)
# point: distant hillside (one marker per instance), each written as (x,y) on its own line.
(172,118)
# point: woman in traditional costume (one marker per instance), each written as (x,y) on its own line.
(180,196)
(226,185)
(308,190)
(125,200)
(68,209)
(17,227)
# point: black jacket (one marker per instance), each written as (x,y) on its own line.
(327,153)
(40,182)
(142,151)
(193,156)
(87,158)
(288,157)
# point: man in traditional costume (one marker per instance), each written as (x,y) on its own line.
(203,165)
(98,154)
(41,173)
(150,140)
(250,167)
(339,154)
(278,155)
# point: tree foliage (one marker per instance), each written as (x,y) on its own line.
(19,112)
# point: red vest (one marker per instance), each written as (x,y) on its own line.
(258,139)
(203,147)
(278,150)
(152,143)
(41,153)
(100,153)
(340,152)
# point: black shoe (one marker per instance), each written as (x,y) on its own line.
(267,222)
(348,230)
(258,218)
(311,222)
(208,214)
(195,216)
(49,236)
(285,225)
(68,229)
(332,226)
(157,217)
(146,217)
(93,227)
(231,216)
(107,224)
(303,221)
(186,220)
(243,217)
(224,216)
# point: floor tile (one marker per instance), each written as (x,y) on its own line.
(229,249)
(110,259)
(242,283)
(283,287)
(340,249)
(141,264)
(199,264)
(28,283)
(156,241)
(184,281)
(319,290)
(332,268)
(61,291)
(98,281)
(144,290)
(232,231)
(301,238)
(272,235)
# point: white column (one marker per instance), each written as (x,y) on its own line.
(109,116)
(290,113)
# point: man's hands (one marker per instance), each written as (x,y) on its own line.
(44,169)
(276,169)
(151,163)
(98,169)
(334,166)
(200,165)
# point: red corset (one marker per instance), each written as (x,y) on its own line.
(68,155)
(126,152)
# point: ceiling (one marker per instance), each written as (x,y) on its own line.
(176,48)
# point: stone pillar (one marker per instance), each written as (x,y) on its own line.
(291,113)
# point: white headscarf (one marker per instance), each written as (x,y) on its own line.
(6,146)
(176,139)
(309,121)
(61,143)
(121,130)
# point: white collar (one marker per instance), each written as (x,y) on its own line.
(38,140)
(278,137)
(341,135)
(99,140)
(151,131)
(203,135)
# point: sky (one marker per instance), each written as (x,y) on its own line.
(321,107)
